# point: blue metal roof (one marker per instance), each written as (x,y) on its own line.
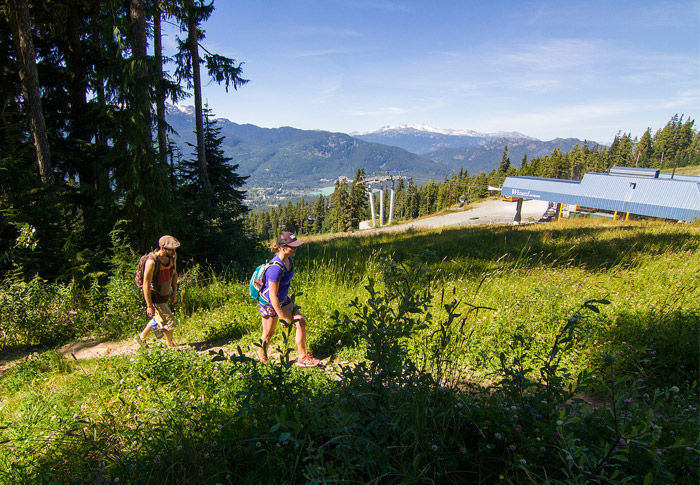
(642,194)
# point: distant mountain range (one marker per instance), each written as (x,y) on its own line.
(423,140)
(283,162)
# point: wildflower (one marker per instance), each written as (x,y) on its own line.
(513,447)
(75,416)
(434,447)
(258,444)
(517,429)
(139,388)
(557,435)
(659,452)
(621,442)
(674,389)
(498,436)
(523,461)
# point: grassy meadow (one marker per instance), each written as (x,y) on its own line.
(565,352)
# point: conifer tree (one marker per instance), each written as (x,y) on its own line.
(505,162)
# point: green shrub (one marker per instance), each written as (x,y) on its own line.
(23,373)
(40,313)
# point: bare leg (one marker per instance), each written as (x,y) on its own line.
(146,331)
(300,336)
(268,325)
(169,337)
(291,315)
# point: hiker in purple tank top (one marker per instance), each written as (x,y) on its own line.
(278,278)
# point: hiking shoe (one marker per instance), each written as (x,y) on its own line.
(308,361)
(140,341)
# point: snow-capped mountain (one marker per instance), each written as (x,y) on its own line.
(417,129)
(424,139)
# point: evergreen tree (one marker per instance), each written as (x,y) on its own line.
(319,214)
(213,225)
(357,201)
(337,219)
(644,150)
(505,162)
(221,69)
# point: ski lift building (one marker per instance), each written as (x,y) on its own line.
(629,190)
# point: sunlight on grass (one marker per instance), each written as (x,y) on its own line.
(453,367)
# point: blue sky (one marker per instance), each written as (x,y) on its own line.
(583,69)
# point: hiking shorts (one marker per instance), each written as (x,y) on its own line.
(164,316)
(268,311)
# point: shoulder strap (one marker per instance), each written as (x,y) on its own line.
(280,265)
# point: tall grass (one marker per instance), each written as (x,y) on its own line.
(464,353)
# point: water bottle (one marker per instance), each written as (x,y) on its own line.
(157,331)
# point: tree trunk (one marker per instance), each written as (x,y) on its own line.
(137,15)
(192,42)
(160,101)
(20,24)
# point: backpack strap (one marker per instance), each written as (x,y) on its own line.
(263,277)
(280,265)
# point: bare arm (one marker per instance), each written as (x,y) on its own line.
(174,282)
(147,278)
(274,301)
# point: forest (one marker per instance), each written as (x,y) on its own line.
(85,146)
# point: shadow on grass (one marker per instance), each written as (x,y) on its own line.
(660,347)
(595,246)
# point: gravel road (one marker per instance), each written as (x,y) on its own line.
(482,213)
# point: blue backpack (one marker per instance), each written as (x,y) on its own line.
(257,281)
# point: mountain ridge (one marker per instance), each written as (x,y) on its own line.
(286,161)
